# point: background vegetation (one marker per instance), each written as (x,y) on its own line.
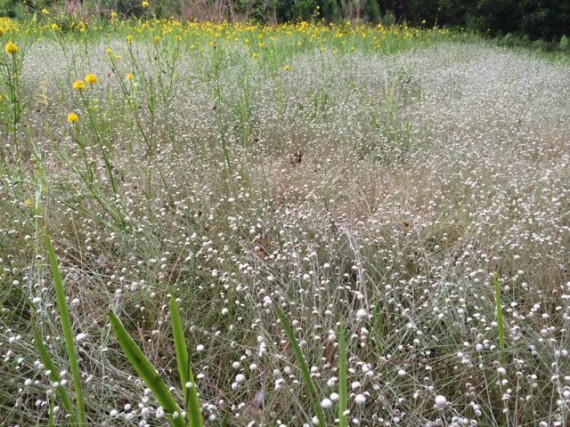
(532,19)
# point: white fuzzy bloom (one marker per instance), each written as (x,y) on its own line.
(326,403)
(362,315)
(360,399)
(441,402)
(81,337)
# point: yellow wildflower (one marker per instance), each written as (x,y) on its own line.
(108,51)
(156,39)
(11,48)
(72,118)
(45,11)
(145,4)
(130,76)
(286,68)
(254,55)
(129,39)
(28,203)
(1,31)
(91,79)
(55,27)
(78,85)
(114,14)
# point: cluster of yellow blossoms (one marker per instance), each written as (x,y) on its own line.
(79,85)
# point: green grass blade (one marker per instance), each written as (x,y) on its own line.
(67,331)
(54,373)
(342,379)
(302,366)
(192,404)
(500,324)
(146,371)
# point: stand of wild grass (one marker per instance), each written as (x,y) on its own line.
(369,182)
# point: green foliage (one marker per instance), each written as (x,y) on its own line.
(147,372)
(66,324)
(151,377)
(187,381)
(549,19)
(19,9)
(342,379)
(300,359)
(500,323)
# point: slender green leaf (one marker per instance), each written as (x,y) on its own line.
(342,380)
(305,374)
(191,401)
(500,324)
(54,373)
(147,371)
(67,331)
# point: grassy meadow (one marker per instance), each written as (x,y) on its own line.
(330,225)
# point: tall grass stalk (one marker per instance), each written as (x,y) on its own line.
(147,372)
(502,345)
(302,365)
(67,331)
(187,381)
(342,379)
(49,365)
(500,324)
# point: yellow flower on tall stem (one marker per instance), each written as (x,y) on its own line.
(79,85)
(91,79)
(11,48)
(130,76)
(72,118)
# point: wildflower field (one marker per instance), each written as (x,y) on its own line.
(309,224)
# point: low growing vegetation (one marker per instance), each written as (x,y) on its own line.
(294,225)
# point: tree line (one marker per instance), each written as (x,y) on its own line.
(534,19)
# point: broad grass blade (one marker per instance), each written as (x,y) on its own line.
(184,369)
(67,331)
(54,373)
(147,372)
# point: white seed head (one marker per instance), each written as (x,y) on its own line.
(441,402)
